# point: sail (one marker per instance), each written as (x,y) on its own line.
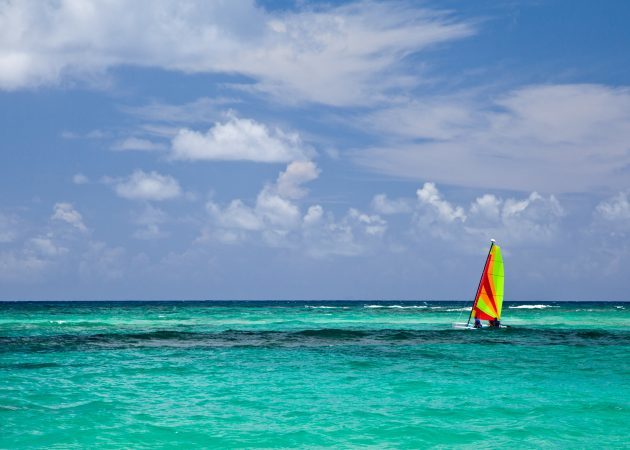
(489,298)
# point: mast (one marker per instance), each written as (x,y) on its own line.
(483,272)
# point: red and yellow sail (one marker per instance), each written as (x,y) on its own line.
(489,298)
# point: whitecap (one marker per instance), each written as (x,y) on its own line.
(532,306)
(322,307)
(397,306)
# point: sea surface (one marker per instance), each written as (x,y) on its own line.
(312,374)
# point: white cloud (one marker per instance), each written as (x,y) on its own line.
(557,138)
(235,215)
(148,186)
(201,110)
(442,118)
(488,207)
(139,144)
(49,252)
(150,219)
(354,234)
(102,262)
(92,134)
(277,220)
(46,246)
(534,218)
(272,215)
(65,212)
(383,205)
(616,208)
(8,228)
(289,183)
(79,178)
(313,216)
(239,140)
(21,266)
(43,249)
(373,224)
(280,213)
(322,53)
(430,199)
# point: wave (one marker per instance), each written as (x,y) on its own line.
(532,306)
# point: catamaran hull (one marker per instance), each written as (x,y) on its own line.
(469,326)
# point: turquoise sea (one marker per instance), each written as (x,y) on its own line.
(312,374)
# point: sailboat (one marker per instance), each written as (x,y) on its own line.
(488,300)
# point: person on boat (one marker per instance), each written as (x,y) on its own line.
(477,323)
(496,323)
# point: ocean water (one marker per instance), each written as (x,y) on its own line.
(312,374)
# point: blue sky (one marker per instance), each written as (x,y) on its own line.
(313,150)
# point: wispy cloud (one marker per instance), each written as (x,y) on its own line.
(556,138)
(322,54)
(201,110)
(65,212)
(150,220)
(138,144)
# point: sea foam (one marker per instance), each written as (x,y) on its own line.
(532,306)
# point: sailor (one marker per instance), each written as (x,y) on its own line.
(477,323)
(495,323)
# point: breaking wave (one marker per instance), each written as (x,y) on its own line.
(532,306)
(396,306)
(325,307)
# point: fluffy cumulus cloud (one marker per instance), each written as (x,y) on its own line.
(65,212)
(611,223)
(436,207)
(524,220)
(239,140)
(616,208)
(278,219)
(289,183)
(141,185)
(53,248)
(274,214)
(534,218)
(79,178)
(45,246)
(325,54)
(557,138)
